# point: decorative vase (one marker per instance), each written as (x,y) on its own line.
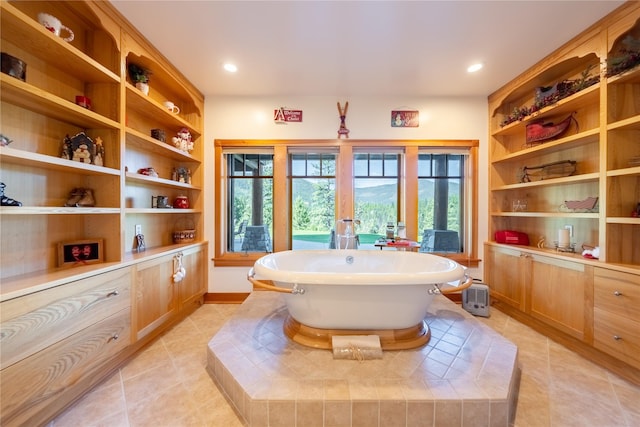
(143,87)
(181,202)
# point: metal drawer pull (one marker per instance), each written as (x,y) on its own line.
(113,293)
(617,293)
(114,337)
(617,337)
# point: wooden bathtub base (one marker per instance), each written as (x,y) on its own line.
(390,339)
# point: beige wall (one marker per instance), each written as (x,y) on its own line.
(367,118)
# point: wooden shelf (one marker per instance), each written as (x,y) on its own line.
(28,34)
(160,211)
(571,141)
(529,214)
(566,106)
(629,76)
(136,177)
(147,106)
(29,159)
(635,170)
(585,177)
(147,143)
(17,92)
(52,210)
(626,124)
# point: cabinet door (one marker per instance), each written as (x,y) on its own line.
(36,321)
(505,275)
(193,286)
(39,385)
(155,300)
(558,293)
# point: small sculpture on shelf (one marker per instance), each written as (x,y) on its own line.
(150,171)
(99,157)
(79,148)
(181,174)
(7,201)
(5,140)
(182,141)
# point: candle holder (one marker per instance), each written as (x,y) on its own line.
(570,249)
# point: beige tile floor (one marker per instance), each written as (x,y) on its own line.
(167,385)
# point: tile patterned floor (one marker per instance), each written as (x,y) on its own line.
(167,385)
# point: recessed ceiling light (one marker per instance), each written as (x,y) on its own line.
(475,67)
(230,67)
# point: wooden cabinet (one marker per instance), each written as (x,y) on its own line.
(154,294)
(39,112)
(64,329)
(159,297)
(55,343)
(560,293)
(551,289)
(616,322)
(192,288)
(507,283)
(597,158)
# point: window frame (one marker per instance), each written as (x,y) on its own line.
(408,177)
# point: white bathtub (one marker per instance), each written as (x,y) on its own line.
(358,289)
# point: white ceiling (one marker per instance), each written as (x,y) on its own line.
(365,48)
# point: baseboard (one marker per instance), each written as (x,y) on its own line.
(225,298)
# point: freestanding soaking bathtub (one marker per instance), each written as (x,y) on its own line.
(358,292)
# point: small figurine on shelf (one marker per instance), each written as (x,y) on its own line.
(182,174)
(150,171)
(5,140)
(182,141)
(79,148)
(7,201)
(99,158)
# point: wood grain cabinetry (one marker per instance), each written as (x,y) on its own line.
(55,340)
(65,329)
(158,297)
(40,111)
(550,289)
(558,288)
(617,325)
(507,282)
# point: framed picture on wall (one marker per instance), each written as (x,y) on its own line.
(405,118)
(80,252)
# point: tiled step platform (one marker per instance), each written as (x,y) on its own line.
(466,375)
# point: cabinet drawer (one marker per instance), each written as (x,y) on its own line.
(38,320)
(33,383)
(617,293)
(618,336)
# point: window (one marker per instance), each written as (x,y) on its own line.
(312,201)
(441,190)
(376,192)
(294,191)
(249,202)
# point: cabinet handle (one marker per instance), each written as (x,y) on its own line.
(617,293)
(114,337)
(113,293)
(617,337)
